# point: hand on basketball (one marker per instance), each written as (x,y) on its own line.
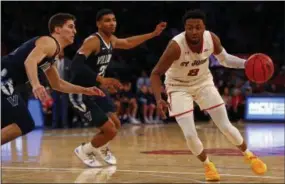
(159,28)
(41,93)
(93,91)
(161,105)
(111,84)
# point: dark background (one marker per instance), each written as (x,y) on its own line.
(244,27)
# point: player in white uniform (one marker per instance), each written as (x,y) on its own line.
(188,78)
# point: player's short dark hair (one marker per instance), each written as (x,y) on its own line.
(194,14)
(58,20)
(103,12)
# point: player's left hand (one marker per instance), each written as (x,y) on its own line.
(93,91)
(161,105)
(111,84)
(159,28)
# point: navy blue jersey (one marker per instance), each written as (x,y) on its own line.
(13,67)
(100,61)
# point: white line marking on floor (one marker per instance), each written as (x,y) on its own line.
(138,171)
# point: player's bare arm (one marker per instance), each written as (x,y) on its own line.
(90,45)
(63,86)
(223,57)
(171,54)
(131,42)
(45,47)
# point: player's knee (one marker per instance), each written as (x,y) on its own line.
(186,123)
(109,129)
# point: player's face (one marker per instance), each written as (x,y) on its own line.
(108,23)
(194,30)
(68,31)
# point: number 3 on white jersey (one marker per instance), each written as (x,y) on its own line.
(102,70)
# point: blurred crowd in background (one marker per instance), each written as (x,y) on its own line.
(243,27)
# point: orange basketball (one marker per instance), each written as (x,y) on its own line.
(259,68)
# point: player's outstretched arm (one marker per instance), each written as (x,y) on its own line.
(171,53)
(223,57)
(63,86)
(44,46)
(131,42)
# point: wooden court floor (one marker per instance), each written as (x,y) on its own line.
(145,154)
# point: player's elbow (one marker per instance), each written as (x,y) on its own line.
(30,62)
(128,44)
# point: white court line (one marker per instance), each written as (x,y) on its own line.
(175,177)
(136,171)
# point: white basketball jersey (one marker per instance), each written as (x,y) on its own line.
(191,68)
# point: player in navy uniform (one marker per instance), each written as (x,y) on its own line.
(89,65)
(22,65)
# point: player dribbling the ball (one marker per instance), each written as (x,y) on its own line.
(185,62)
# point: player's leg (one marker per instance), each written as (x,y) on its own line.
(10,132)
(212,102)
(94,114)
(16,118)
(185,118)
(107,105)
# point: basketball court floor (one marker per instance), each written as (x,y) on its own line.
(145,154)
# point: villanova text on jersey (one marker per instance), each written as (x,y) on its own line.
(100,61)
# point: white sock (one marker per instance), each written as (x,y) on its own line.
(207,161)
(88,148)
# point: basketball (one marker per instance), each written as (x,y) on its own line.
(259,68)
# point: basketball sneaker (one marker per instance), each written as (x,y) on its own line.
(257,165)
(107,155)
(211,172)
(87,158)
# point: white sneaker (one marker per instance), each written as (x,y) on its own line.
(87,158)
(107,156)
(147,121)
(134,121)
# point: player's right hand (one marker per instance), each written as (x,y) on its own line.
(161,105)
(112,84)
(41,93)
